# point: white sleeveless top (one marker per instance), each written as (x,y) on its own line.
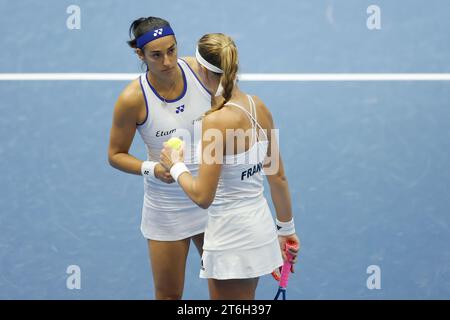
(168,214)
(239,217)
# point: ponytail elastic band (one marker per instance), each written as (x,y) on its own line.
(205,63)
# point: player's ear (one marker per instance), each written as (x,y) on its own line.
(140,53)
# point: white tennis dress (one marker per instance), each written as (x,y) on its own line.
(168,214)
(240,237)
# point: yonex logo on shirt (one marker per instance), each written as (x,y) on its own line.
(180,109)
(157,32)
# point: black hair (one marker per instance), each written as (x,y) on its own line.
(143,25)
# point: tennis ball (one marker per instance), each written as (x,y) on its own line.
(174,143)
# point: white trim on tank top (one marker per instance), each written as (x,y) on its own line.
(254,123)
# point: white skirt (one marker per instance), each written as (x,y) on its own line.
(172,226)
(241,263)
(168,214)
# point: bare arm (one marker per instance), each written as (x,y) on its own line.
(279,191)
(201,189)
(274,169)
(123,129)
(279,188)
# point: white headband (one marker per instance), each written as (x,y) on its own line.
(206,64)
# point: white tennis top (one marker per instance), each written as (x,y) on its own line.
(239,217)
(168,214)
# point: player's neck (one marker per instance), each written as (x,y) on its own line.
(236,94)
(166,85)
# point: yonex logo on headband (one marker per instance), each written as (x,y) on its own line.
(158,31)
(153,35)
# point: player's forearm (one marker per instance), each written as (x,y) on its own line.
(281,198)
(126,163)
(190,186)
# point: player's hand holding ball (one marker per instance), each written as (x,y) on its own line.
(162,174)
(172,152)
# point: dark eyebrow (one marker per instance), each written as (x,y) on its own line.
(158,51)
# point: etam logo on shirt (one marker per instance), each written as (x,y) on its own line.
(162,133)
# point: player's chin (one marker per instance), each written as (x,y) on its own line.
(169,73)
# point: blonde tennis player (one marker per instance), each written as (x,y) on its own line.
(241,239)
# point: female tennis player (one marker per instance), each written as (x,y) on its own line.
(241,242)
(166,99)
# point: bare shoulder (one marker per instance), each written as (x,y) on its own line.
(192,62)
(220,119)
(261,105)
(213,120)
(130,106)
(263,110)
(131,96)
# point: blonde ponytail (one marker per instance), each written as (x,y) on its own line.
(220,50)
(230,68)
